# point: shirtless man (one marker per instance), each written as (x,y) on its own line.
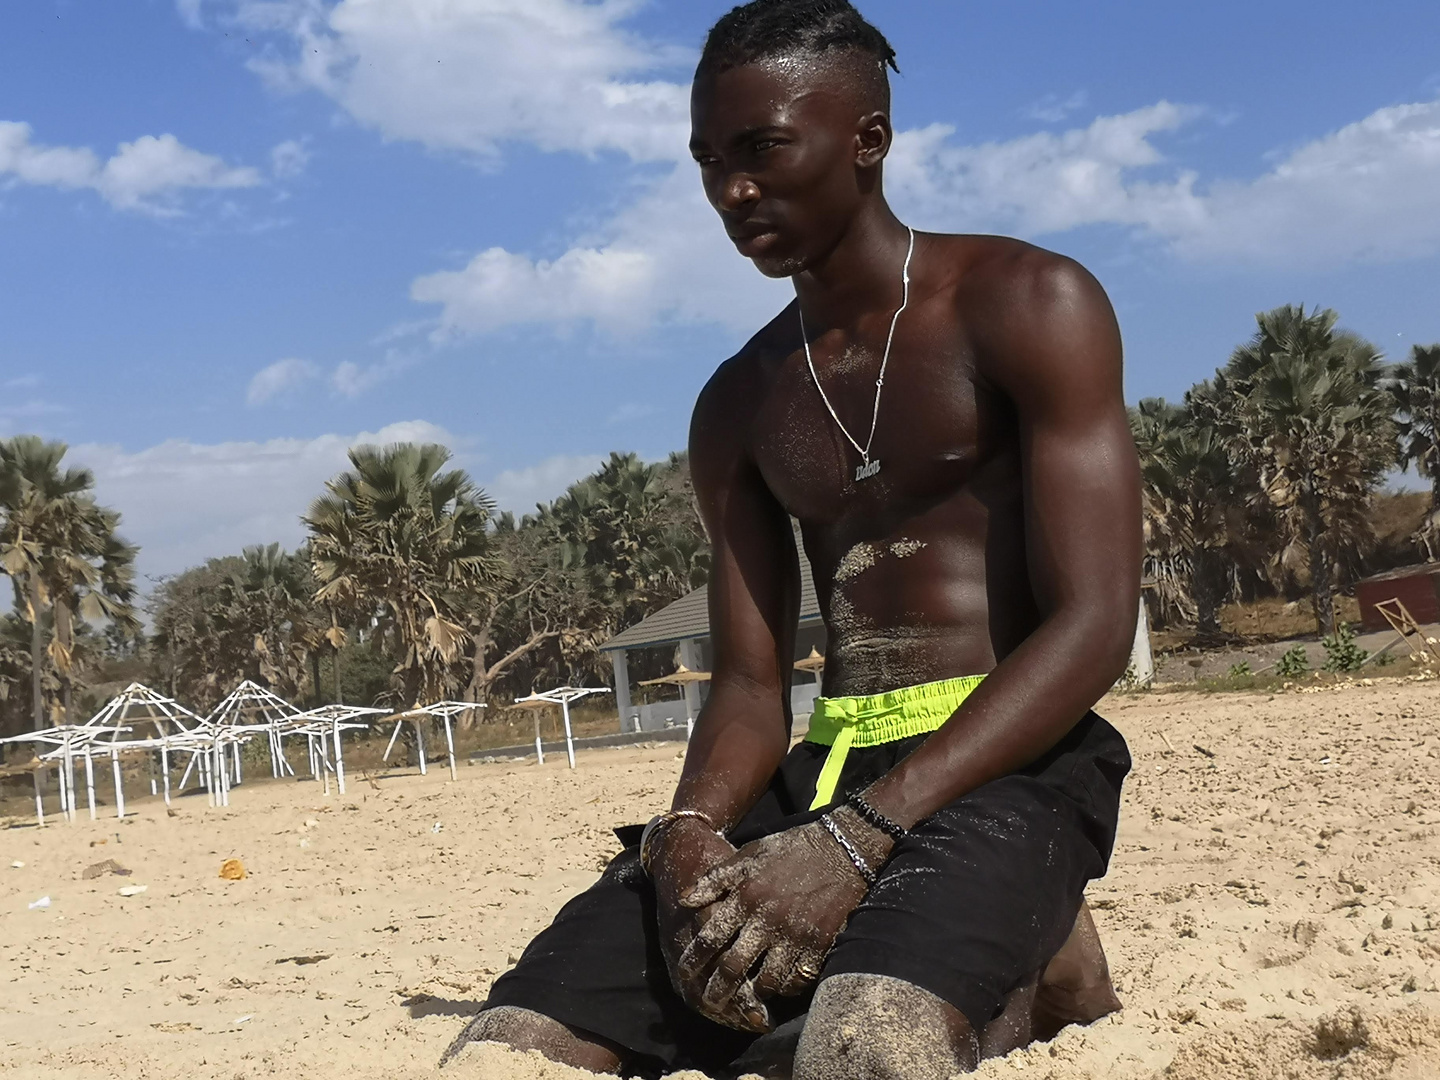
(943,416)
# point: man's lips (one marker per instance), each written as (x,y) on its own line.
(749,233)
(752,237)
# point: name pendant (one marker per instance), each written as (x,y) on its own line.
(867,470)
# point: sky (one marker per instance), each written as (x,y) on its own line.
(239,236)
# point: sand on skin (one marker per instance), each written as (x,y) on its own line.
(1257,899)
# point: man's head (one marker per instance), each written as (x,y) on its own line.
(790,125)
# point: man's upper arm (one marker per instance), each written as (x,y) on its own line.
(754,580)
(1053,346)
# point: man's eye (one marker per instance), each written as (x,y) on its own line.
(704,161)
(766,144)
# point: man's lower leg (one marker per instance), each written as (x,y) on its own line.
(1075,987)
(523,1029)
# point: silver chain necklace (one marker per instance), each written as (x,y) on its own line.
(867,468)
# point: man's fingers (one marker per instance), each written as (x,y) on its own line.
(719,929)
(775,971)
(747,1004)
(714,884)
(734,965)
(804,973)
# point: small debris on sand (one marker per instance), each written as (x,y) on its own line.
(100,869)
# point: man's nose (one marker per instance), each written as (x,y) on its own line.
(737,191)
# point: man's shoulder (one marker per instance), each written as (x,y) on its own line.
(1014,297)
(736,381)
(987,269)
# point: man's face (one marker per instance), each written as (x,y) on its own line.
(777,145)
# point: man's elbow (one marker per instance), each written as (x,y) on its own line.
(1110,637)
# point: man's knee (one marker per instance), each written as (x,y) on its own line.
(872,1027)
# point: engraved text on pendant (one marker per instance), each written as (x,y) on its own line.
(867,470)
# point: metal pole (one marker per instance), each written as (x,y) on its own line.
(119,786)
(450,742)
(39,798)
(539,750)
(569,739)
(339,761)
(90,782)
(69,786)
(165,771)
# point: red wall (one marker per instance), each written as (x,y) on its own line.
(1417,593)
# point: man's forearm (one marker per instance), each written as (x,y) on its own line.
(739,741)
(1032,699)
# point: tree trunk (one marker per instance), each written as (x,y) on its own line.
(37,654)
(1323,594)
(339,697)
(315,676)
(1208,592)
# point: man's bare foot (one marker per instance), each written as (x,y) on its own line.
(522,1029)
(1075,987)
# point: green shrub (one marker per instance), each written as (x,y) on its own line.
(1384,659)
(1293,663)
(1341,652)
(1240,670)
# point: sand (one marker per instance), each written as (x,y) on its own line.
(1273,908)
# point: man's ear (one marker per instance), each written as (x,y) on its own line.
(873,139)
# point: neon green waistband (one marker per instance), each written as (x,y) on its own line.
(841,723)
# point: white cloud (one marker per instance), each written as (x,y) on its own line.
(146,174)
(1370,191)
(630,412)
(1052,108)
(279,379)
(289,159)
(665,258)
(350,379)
(473,74)
(566,75)
(1041,183)
(520,489)
(185,502)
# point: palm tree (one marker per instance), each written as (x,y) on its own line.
(266,609)
(1306,406)
(1192,509)
(1415,387)
(61,551)
(409,543)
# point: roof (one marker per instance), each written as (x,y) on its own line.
(1420,570)
(689,617)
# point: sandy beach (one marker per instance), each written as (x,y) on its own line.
(1273,908)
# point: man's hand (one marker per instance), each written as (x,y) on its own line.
(779,903)
(682,856)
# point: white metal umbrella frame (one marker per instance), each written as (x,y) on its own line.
(444,711)
(562,696)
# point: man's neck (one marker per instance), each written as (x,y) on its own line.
(860,273)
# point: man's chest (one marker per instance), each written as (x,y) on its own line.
(933,426)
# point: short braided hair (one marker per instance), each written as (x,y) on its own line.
(764,29)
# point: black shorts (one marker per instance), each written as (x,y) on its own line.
(971,905)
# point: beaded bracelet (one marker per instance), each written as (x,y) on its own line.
(874,817)
(855,857)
